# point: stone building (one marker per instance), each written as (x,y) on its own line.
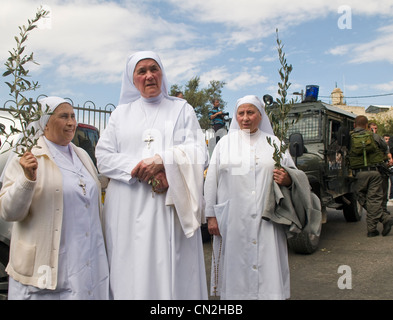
(337,98)
(377,112)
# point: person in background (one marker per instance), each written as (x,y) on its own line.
(383,142)
(389,143)
(53,195)
(179,94)
(154,152)
(368,184)
(216,116)
(373,127)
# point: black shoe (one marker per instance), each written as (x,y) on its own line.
(387,226)
(373,233)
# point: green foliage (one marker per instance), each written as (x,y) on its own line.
(201,99)
(278,114)
(24,109)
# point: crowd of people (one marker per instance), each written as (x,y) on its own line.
(145,241)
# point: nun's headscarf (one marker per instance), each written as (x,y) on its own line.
(264,125)
(48,106)
(129,93)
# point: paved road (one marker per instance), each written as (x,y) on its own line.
(367,264)
(370,262)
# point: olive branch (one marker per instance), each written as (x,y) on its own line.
(24,109)
(281,107)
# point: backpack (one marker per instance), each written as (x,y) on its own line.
(364,150)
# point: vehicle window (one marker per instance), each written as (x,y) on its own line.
(309,125)
(86,139)
(334,153)
(93,137)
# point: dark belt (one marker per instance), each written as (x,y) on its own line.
(365,169)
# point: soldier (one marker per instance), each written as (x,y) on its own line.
(366,156)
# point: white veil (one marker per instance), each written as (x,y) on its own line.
(48,105)
(264,125)
(129,93)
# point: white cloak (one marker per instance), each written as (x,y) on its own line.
(149,254)
(250,258)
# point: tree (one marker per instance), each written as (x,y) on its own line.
(278,114)
(201,99)
(25,110)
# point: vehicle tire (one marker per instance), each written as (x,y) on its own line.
(304,243)
(353,210)
(4,255)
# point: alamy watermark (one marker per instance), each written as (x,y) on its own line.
(344,281)
(45,279)
(345,20)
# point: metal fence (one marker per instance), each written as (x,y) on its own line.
(88,113)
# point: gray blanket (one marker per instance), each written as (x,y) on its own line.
(296,207)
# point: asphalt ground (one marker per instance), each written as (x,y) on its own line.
(346,266)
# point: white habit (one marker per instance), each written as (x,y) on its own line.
(83,267)
(250,259)
(149,254)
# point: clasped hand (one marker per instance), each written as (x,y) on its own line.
(150,168)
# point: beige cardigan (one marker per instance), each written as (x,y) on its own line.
(36,207)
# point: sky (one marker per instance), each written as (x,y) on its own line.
(83,46)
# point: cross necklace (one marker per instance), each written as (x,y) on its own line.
(82,184)
(149,138)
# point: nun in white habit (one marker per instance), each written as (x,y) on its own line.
(250,258)
(53,196)
(154,153)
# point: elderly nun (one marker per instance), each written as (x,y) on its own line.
(250,258)
(154,152)
(53,196)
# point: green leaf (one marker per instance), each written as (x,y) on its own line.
(16,65)
(7,73)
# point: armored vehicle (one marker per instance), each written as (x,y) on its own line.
(319,142)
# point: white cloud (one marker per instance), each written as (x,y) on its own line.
(182,65)
(236,80)
(340,50)
(245,79)
(90,40)
(379,49)
(385,87)
(218,74)
(353,87)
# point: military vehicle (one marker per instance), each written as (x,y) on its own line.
(319,142)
